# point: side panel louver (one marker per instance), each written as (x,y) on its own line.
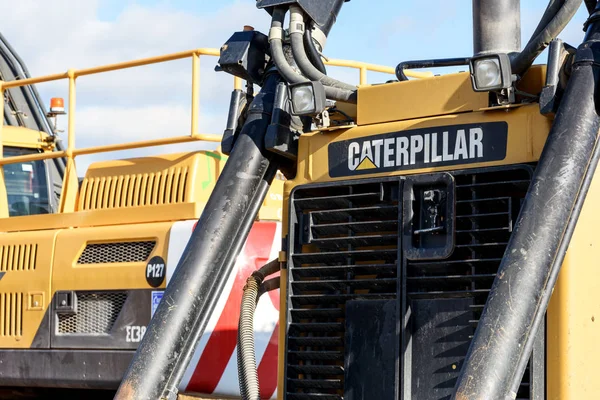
(18,257)
(118,252)
(164,187)
(11,314)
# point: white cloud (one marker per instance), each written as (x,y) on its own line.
(136,104)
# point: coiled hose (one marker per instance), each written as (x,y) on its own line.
(246,355)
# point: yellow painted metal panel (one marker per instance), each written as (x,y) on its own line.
(25,286)
(573,319)
(69,275)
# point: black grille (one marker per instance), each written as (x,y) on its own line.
(117,252)
(96,314)
(344,246)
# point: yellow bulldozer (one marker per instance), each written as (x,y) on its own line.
(436,237)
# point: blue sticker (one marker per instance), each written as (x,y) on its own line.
(156,298)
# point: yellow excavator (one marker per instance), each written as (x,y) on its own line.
(437,233)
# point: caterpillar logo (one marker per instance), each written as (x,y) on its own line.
(419,148)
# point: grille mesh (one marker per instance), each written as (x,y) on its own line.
(345,247)
(18,257)
(96,313)
(11,314)
(118,252)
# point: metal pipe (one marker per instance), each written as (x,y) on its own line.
(189,299)
(496,26)
(519,297)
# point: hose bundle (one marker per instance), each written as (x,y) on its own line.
(255,287)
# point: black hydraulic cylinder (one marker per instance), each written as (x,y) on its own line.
(516,306)
(496,26)
(172,335)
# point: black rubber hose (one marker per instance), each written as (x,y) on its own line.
(503,340)
(286,71)
(304,63)
(313,54)
(246,354)
(551,10)
(522,61)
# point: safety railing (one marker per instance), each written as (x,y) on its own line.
(70,186)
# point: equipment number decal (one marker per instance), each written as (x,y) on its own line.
(155,271)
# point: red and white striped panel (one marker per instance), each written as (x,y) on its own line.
(213,369)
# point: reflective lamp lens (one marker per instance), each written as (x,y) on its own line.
(487,73)
(304,99)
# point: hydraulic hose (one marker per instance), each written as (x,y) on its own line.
(163,355)
(297,37)
(522,61)
(286,71)
(502,344)
(246,355)
(313,53)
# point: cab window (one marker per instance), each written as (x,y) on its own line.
(26,185)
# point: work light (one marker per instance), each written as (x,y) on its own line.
(490,72)
(308,98)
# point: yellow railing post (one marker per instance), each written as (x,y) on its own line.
(3,193)
(363,75)
(68,198)
(195,92)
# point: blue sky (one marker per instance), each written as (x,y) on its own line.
(153,102)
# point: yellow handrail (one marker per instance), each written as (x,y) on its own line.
(70,186)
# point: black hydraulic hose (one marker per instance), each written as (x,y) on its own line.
(313,53)
(309,70)
(180,319)
(246,355)
(502,344)
(522,61)
(276,42)
(550,12)
(284,68)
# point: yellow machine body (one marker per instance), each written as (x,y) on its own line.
(572,327)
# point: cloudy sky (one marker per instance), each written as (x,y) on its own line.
(153,102)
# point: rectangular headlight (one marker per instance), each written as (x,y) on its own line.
(490,72)
(308,98)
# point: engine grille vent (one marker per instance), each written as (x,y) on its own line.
(11,314)
(345,249)
(344,245)
(118,252)
(18,257)
(96,313)
(164,187)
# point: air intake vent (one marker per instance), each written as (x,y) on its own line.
(11,314)
(96,313)
(345,275)
(18,257)
(118,252)
(165,187)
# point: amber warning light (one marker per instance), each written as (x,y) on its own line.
(57,105)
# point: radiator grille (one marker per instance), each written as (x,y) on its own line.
(96,313)
(164,187)
(344,247)
(118,252)
(11,314)
(18,257)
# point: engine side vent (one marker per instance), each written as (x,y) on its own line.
(18,257)
(11,314)
(95,315)
(164,187)
(117,252)
(344,251)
